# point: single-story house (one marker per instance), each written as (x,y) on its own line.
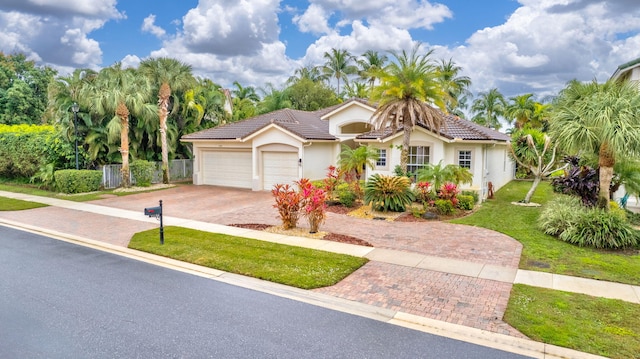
(286,145)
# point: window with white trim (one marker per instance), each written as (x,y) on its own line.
(464,159)
(382,158)
(418,158)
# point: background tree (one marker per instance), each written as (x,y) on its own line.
(338,65)
(23,90)
(308,95)
(273,99)
(534,150)
(520,110)
(369,66)
(306,72)
(121,93)
(488,108)
(244,101)
(408,89)
(165,74)
(600,119)
(454,86)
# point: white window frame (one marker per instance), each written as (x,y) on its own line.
(382,155)
(413,165)
(460,160)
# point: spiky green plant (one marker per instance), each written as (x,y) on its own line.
(388,193)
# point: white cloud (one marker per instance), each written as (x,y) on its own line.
(55,31)
(148,25)
(315,20)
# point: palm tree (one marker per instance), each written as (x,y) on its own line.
(601,119)
(306,72)
(273,99)
(521,110)
(167,74)
(370,66)
(338,65)
(408,88)
(455,87)
(356,89)
(121,92)
(488,107)
(357,159)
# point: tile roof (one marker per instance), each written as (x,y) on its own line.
(304,124)
(309,126)
(454,127)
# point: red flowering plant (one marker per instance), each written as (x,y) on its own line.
(313,204)
(332,180)
(449,191)
(288,202)
(423,192)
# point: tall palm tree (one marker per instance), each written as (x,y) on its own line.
(600,119)
(488,107)
(520,110)
(406,94)
(339,65)
(454,86)
(166,74)
(121,93)
(370,65)
(306,72)
(273,99)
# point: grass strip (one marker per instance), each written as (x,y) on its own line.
(294,266)
(545,253)
(606,327)
(10,204)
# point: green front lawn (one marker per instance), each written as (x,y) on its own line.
(10,204)
(542,252)
(81,197)
(601,326)
(290,265)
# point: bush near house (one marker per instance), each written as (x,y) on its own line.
(142,172)
(388,193)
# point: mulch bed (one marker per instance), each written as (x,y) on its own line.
(334,237)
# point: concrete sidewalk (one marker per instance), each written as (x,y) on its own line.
(410,266)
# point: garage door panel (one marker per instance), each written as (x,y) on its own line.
(279,167)
(227,168)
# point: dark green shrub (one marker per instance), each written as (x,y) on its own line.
(474,194)
(388,193)
(346,195)
(444,206)
(142,172)
(598,228)
(77,181)
(466,202)
(560,213)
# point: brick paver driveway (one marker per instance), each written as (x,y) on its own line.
(468,301)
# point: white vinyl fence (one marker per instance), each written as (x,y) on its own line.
(178,170)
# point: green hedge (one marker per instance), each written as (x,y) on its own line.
(25,149)
(78,181)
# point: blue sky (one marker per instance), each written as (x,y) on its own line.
(523,46)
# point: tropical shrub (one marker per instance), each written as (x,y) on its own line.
(423,192)
(466,202)
(388,193)
(332,180)
(599,228)
(346,194)
(142,172)
(444,206)
(77,181)
(474,194)
(288,202)
(581,181)
(439,174)
(559,214)
(313,203)
(449,191)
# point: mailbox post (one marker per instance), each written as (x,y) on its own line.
(156,212)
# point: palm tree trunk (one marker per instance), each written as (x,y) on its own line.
(163,112)
(123,112)
(406,141)
(606,162)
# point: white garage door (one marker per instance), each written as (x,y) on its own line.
(279,167)
(227,168)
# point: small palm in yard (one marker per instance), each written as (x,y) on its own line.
(357,159)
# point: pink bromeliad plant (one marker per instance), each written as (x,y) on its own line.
(313,204)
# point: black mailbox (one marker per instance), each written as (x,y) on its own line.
(153,211)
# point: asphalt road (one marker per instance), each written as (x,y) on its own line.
(60,300)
